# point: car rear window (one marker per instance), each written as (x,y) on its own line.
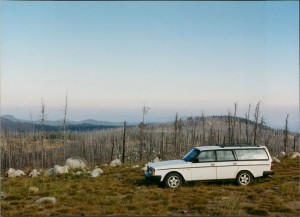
(251,154)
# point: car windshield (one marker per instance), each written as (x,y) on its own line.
(189,157)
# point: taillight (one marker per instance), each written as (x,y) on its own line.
(272,166)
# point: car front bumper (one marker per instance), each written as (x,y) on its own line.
(151,177)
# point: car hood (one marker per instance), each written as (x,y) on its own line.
(169,164)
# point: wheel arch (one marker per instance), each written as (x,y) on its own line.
(244,171)
(164,179)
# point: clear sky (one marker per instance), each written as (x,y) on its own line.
(113,57)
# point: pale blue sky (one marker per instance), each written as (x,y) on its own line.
(185,57)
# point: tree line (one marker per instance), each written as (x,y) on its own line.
(142,143)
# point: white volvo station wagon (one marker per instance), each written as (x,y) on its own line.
(242,163)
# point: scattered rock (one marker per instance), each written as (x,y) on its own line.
(49,172)
(156,160)
(34,173)
(61,169)
(135,166)
(295,155)
(76,163)
(276,160)
(12,173)
(282,154)
(2,195)
(78,173)
(96,172)
(46,199)
(115,162)
(33,189)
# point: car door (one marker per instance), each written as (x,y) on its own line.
(226,164)
(203,168)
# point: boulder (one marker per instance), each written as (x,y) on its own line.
(156,160)
(49,172)
(34,173)
(2,195)
(276,160)
(46,199)
(295,155)
(115,162)
(96,172)
(282,154)
(12,173)
(61,169)
(76,163)
(33,189)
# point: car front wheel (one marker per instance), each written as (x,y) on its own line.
(173,180)
(244,178)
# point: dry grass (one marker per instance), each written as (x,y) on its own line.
(123,191)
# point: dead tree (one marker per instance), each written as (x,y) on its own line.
(233,124)
(247,116)
(142,131)
(176,129)
(162,145)
(43,132)
(285,132)
(256,118)
(124,142)
(203,128)
(229,122)
(65,127)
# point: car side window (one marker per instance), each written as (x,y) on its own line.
(252,154)
(206,156)
(225,155)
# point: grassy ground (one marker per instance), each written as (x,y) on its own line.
(123,191)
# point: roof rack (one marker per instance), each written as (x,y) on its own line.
(239,145)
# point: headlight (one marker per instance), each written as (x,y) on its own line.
(151,170)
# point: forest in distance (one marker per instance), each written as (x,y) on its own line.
(41,146)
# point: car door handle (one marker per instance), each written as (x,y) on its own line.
(234,163)
(212,164)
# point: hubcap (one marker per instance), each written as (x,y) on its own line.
(173,181)
(245,179)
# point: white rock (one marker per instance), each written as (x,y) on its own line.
(33,189)
(78,173)
(156,160)
(49,172)
(76,163)
(61,169)
(96,172)
(295,155)
(282,154)
(2,194)
(34,173)
(276,160)
(12,173)
(46,199)
(135,166)
(145,167)
(115,162)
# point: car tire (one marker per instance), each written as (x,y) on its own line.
(173,180)
(244,178)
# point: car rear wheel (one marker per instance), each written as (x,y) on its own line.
(244,178)
(173,180)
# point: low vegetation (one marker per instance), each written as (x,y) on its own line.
(123,191)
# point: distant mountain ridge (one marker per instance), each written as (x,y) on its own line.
(9,122)
(60,122)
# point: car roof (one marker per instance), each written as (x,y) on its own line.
(218,147)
